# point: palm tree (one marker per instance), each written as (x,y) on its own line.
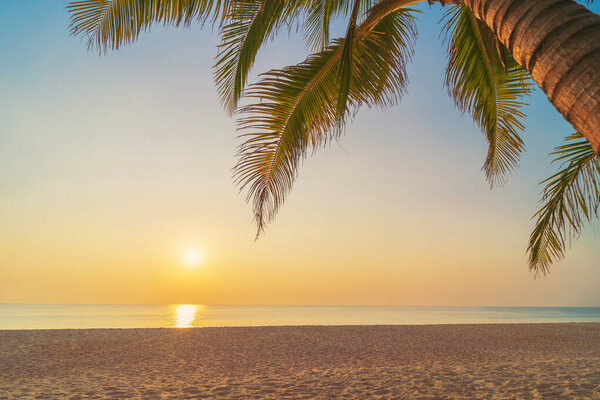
(495,48)
(557,43)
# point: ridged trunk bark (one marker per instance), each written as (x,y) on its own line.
(558,42)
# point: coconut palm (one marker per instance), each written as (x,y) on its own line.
(495,49)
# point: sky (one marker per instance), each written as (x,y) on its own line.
(113,167)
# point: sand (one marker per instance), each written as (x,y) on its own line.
(526,361)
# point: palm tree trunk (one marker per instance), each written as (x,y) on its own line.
(558,42)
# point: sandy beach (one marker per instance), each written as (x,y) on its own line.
(544,361)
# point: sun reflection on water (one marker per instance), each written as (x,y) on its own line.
(185,314)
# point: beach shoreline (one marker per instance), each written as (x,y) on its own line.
(530,360)
(4,330)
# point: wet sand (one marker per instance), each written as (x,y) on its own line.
(533,361)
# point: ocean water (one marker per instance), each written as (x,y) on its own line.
(77,316)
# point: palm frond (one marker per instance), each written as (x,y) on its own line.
(317,23)
(295,108)
(319,16)
(484,80)
(108,24)
(345,71)
(569,199)
(249,24)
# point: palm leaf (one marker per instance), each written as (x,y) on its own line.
(345,71)
(319,15)
(249,24)
(570,198)
(317,23)
(484,80)
(108,24)
(295,108)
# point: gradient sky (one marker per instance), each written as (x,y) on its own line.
(112,166)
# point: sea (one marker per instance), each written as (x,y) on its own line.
(83,316)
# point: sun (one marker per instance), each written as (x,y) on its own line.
(192,257)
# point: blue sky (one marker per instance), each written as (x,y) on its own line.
(111,165)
